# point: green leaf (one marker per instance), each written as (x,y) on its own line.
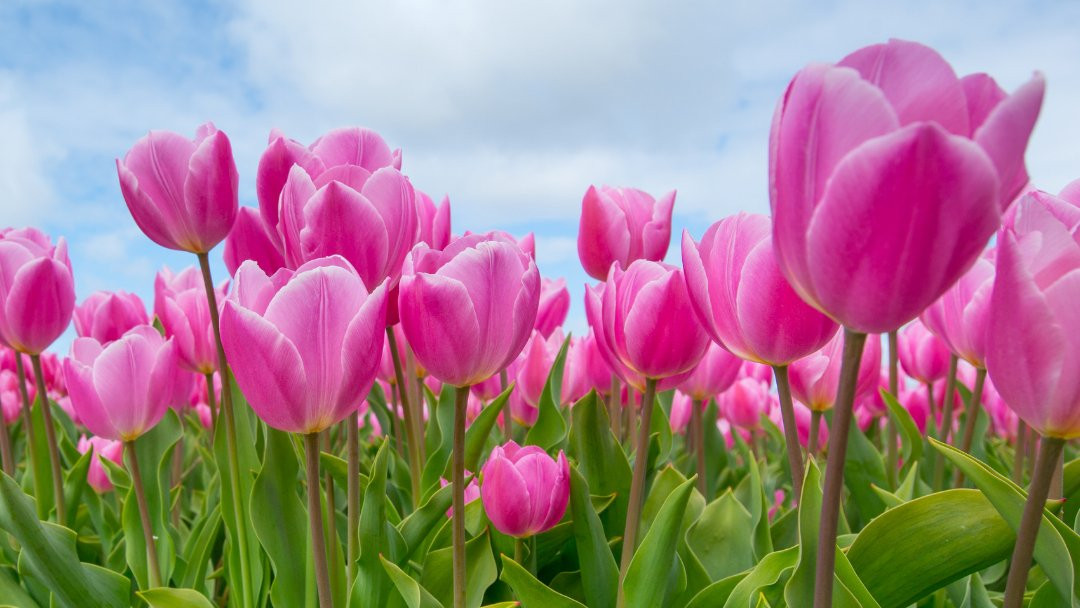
(11,593)
(154,450)
(913,439)
(163,597)
(75,483)
(439,440)
(716,457)
(799,590)
(531,592)
(476,435)
(38,463)
(414,595)
(550,427)
(191,570)
(656,553)
(437,576)
(416,527)
(766,573)
(863,467)
(600,460)
(722,537)
(977,597)
(281,522)
(372,584)
(599,572)
(932,541)
(660,426)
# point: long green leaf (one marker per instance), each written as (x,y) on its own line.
(476,435)
(414,595)
(599,572)
(531,592)
(656,553)
(550,427)
(163,597)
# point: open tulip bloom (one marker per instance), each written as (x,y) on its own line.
(375,411)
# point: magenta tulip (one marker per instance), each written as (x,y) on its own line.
(37,290)
(554,304)
(181,306)
(814,379)
(761,372)
(105,316)
(1033,335)
(96,476)
(182,193)
(472,491)
(10,397)
(743,299)
(251,239)
(434,221)
(744,403)
(469,309)
(305,345)
(887,176)
(524,491)
(121,390)
(533,365)
(923,355)
(682,410)
(576,377)
(714,374)
(960,315)
(622,225)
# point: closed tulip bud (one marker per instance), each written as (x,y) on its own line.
(319,336)
(251,239)
(469,309)
(37,290)
(1003,419)
(121,390)
(887,176)
(533,365)
(554,304)
(96,476)
(924,356)
(682,408)
(524,491)
(1033,335)
(814,379)
(10,397)
(744,403)
(181,306)
(649,322)
(960,315)
(576,382)
(434,221)
(183,194)
(716,371)
(742,298)
(759,371)
(622,225)
(596,366)
(105,316)
(488,389)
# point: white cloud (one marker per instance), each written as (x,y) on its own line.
(26,196)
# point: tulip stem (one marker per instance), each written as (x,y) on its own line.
(1050,449)
(971,416)
(178,473)
(637,484)
(614,415)
(230,436)
(632,420)
(1018,456)
(946,420)
(211,402)
(461,402)
(318,545)
(407,415)
(519,550)
(28,430)
(395,421)
(331,505)
(152,567)
(791,431)
(6,458)
(508,420)
(891,432)
(815,431)
(834,468)
(353,487)
(697,428)
(50,440)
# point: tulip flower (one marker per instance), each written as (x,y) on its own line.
(105,316)
(434,221)
(744,404)
(11,397)
(252,239)
(96,476)
(554,304)
(762,373)
(577,381)
(181,306)
(182,193)
(37,291)
(1032,343)
(924,356)
(524,491)
(622,225)
(682,411)
(534,364)
(472,491)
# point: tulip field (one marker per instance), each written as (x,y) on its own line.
(864,400)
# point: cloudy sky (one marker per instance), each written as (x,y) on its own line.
(511,108)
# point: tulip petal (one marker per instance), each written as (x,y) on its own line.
(211,191)
(395,201)
(1005,134)
(353,146)
(362,346)
(274,167)
(79,380)
(122,380)
(39,304)
(505,494)
(603,234)
(294,196)
(340,220)
(438,317)
(1061,299)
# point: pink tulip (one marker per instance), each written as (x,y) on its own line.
(744,403)
(960,315)
(521,411)
(183,194)
(576,381)
(716,371)
(682,409)
(924,356)
(525,491)
(1002,418)
(472,490)
(105,316)
(121,390)
(434,221)
(916,402)
(527,243)
(596,366)
(366,420)
(814,379)
(251,239)
(871,397)
(622,225)
(10,397)
(37,291)
(533,365)
(96,476)
(887,176)
(1033,335)
(743,299)
(469,309)
(554,304)
(759,371)
(335,153)
(648,321)
(305,345)
(370,219)
(180,304)
(488,389)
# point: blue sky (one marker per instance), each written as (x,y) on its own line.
(512,109)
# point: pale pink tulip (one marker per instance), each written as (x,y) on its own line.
(622,225)
(814,379)
(105,316)
(554,304)
(37,290)
(924,356)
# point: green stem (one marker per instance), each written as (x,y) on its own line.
(28,430)
(211,402)
(353,487)
(815,431)
(407,415)
(230,436)
(791,431)
(632,419)
(331,507)
(1018,455)
(697,430)
(519,550)
(7,460)
(892,457)
(461,402)
(614,414)
(153,569)
(178,474)
(1050,449)
(637,483)
(970,418)
(50,440)
(834,468)
(508,420)
(318,545)
(946,420)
